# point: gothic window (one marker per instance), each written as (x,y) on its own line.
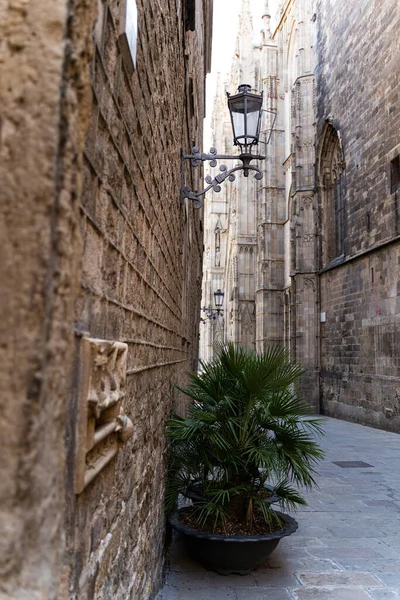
(395,174)
(190,15)
(331,176)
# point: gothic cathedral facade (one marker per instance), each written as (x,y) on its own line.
(309,256)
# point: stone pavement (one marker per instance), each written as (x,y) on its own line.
(347,546)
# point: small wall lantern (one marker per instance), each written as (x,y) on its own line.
(211,312)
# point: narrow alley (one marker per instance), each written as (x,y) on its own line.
(179,179)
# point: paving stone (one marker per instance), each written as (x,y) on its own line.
(382,565)
(267,577)
(344,553)
(374,543)
(263,594)
(392,540)
(289,564)
(173,593)
(352,532)
(312,531)
(297,552)
(384,594)
(307,593)
(336,579)
(390,580)
(208,579)
(300,541)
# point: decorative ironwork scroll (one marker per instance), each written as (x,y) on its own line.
(197,157)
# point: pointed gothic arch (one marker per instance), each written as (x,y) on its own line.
(331,178)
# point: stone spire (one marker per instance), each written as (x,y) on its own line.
(217,87)
(266,12)
(267,20)
(246,8)
(218,112)
(245,19)
(244,63)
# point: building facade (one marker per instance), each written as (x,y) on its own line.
(101,276)
(309,255)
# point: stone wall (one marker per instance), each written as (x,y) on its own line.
(358,92)
(44,110)
(360,340)
(90,195)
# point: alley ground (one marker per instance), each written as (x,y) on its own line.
(347,546)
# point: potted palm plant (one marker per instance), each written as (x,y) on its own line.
(246,443)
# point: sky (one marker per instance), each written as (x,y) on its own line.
(225,24)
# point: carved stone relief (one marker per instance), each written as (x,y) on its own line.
(293,104)
(307,202)
(309,284)
(235,269)
(208,256)
(272,87)
(102,423)
(247,318)
(217,241)
(299,99)
(261,241)
(314,95)
(217,257)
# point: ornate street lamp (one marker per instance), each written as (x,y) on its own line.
(211,312)
(245,109)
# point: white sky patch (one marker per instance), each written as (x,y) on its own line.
(226,18)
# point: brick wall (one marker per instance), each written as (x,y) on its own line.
(358,89)
(141,277)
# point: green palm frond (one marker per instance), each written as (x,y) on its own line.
(289,496)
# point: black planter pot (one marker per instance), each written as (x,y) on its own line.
(231,554)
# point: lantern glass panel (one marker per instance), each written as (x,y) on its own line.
(219,298)
(238,121)
(253,116)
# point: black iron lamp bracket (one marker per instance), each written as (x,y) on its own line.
(198,157)
(212,313)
